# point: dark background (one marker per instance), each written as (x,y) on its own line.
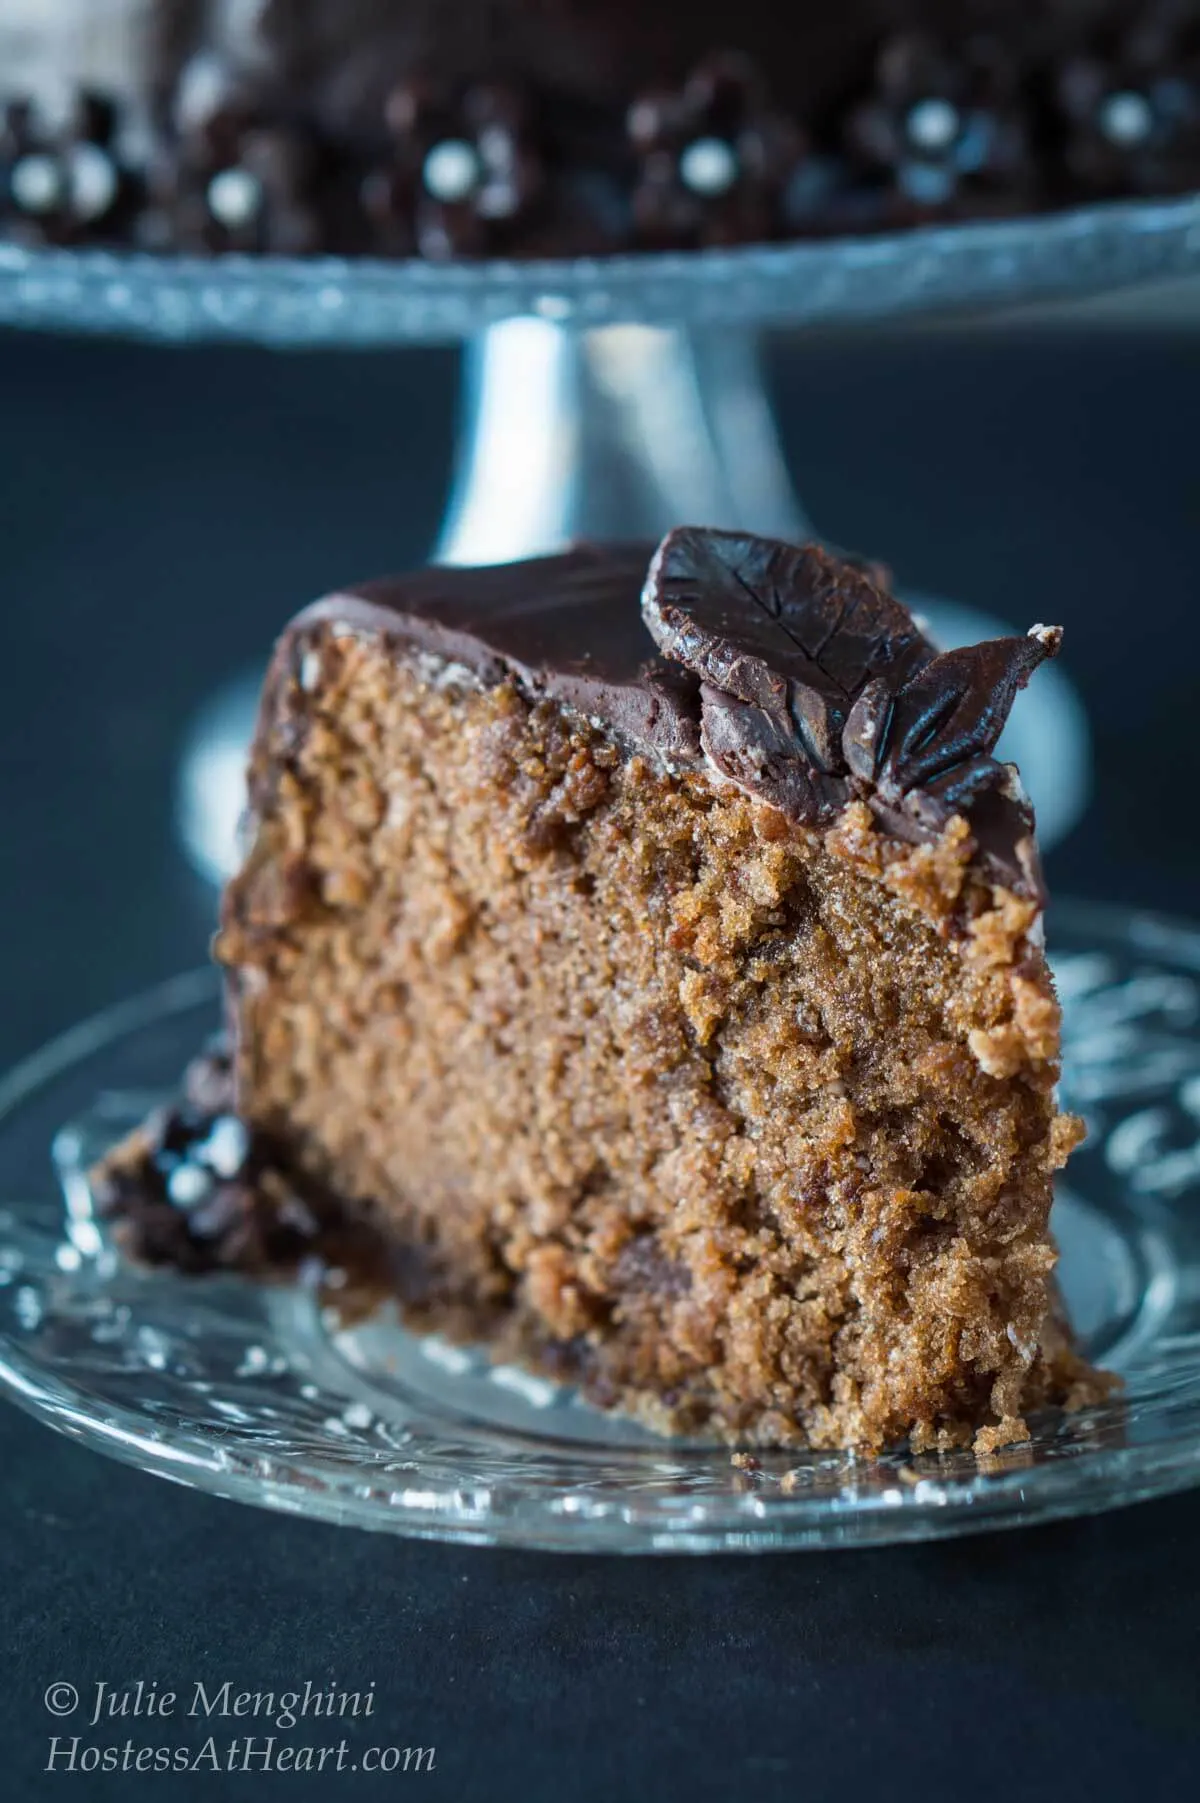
(160,515)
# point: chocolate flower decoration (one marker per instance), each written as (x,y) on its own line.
(462,173)
(1130,107)
(943,121)
(65,185)
(816,687)
(233,183)
(715,158)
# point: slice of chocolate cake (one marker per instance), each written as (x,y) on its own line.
(651,958)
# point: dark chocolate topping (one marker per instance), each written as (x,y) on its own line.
(484,128)
(566,626)
(792,672)
(788,631)
(817,688)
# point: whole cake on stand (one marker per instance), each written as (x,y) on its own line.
(534,127)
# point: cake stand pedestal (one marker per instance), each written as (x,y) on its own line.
(618,432)
(612,397)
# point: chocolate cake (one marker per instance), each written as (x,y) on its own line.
(643,957)
(529,127)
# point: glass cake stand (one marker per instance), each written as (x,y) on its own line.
(267,1394)
(612,397)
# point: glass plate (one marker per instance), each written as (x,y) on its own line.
(256,1392)
(329,301)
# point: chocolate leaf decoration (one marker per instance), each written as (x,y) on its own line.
(953,711)
(955,792)
(866,729)
(817,688)
(789,629)
(750,747)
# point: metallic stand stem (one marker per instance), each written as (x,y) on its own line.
(617,433)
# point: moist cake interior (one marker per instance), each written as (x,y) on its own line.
(744,1122)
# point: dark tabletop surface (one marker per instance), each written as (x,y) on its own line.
(160,514)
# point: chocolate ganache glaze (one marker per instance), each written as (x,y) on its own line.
(788,670)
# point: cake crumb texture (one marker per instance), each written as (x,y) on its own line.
(747,1128)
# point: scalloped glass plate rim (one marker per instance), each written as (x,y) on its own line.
(1084,250)
(897,1504)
